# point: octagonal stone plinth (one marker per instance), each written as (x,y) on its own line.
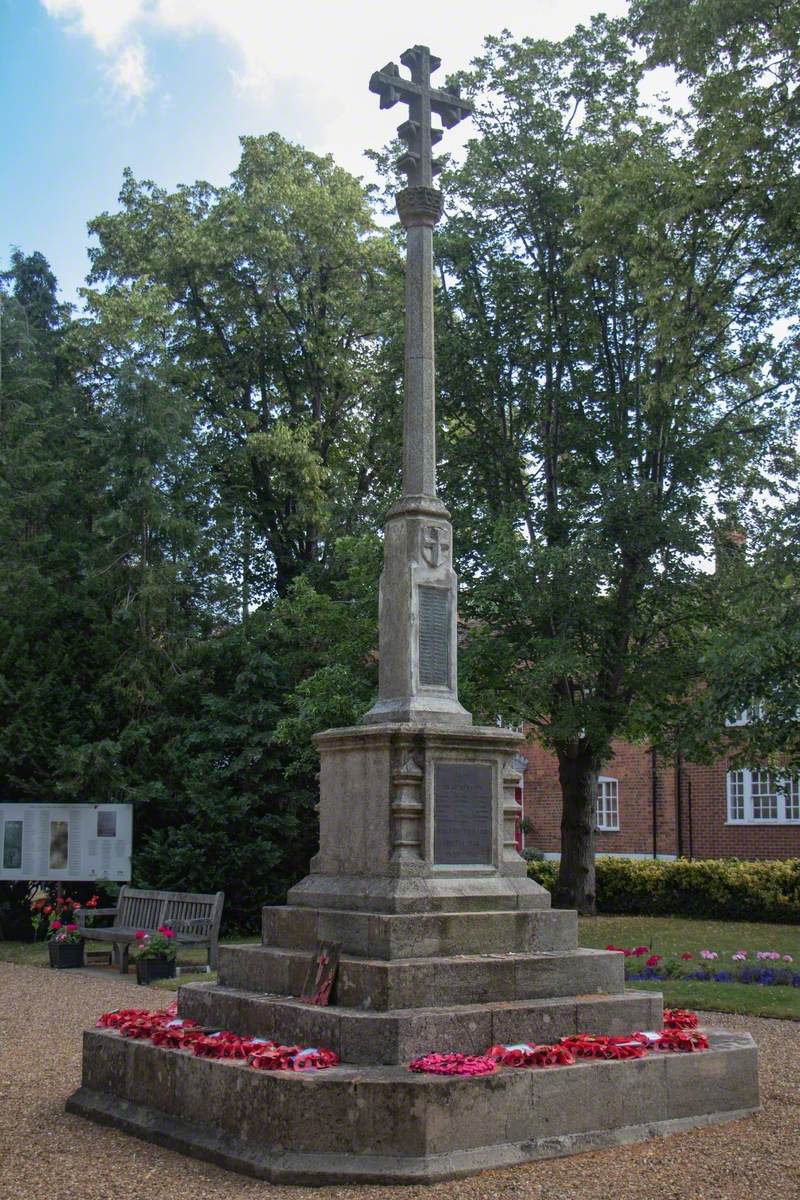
(387,1125)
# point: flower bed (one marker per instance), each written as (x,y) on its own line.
(765,967)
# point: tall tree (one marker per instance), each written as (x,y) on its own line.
(275,295)
(607,369)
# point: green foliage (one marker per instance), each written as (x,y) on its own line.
(612,370)
(727,889)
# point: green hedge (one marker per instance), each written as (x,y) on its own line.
(731,889)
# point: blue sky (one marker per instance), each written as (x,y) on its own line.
(166,87)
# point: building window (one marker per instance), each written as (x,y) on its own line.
(607,804)
(758,796)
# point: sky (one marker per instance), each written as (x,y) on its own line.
(166,87)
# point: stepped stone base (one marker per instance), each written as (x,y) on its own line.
(385,1125)
(382,984)
(421,935)
(394,1038)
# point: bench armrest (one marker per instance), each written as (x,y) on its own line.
(83,913)
(193,925)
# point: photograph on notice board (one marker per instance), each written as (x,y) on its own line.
(12,846)
(59,845)
(107,824)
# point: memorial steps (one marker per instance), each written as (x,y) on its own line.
(383,1124)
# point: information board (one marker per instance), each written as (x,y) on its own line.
(70,842)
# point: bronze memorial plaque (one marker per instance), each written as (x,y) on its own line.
(462,806)
(434,637)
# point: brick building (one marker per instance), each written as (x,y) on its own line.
(651,808)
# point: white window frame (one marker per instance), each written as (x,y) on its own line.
(739,786)
(602,809)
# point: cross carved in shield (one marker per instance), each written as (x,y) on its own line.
(434,545)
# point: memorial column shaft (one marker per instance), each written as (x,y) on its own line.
(419,433)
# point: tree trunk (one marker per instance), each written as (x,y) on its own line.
(577,773)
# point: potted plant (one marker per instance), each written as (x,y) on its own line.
(65,945)
(155,955)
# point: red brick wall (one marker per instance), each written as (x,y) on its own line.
(705,833)
(631,767)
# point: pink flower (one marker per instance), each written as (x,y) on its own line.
(140,935)
(55,925)
(653,960)
(739,956)
(788,958)
(768,955)
(168,933)
(686,956)
(709,954)
(72,927)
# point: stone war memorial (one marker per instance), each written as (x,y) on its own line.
(446,946)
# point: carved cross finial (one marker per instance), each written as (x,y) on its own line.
(422,100)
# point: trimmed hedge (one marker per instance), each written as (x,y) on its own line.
(730,889)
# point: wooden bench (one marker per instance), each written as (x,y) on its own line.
(193,917)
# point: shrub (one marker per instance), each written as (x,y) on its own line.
(730,889)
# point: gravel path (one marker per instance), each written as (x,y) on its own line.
(47,1155)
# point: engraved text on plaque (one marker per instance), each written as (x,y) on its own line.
(434,637)
(462,805)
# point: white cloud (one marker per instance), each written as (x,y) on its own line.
(128,72)
(104,21)
(304,64)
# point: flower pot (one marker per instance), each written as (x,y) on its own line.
(149,969)
(65,954)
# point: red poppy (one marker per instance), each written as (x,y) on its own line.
(640,950)
(48,908)
(140,935)
(55,924)
(653,960)
(686,956)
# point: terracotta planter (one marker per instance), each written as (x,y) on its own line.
(149,969)
(65,954)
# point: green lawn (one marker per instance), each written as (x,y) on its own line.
(664,935)
(674,935)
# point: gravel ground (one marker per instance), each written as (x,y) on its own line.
(47,1155)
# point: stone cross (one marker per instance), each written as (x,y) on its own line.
(420,207)
(418,670)
(422,100)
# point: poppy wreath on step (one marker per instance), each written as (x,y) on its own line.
(454,1064)
(679,1018)
(682,1041)
(529,1054)
(164,1028)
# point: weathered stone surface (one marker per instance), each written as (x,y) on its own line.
(420,935)
(381,984)
(729,1081)
(382,1124)
(395,1037)
(378,821)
